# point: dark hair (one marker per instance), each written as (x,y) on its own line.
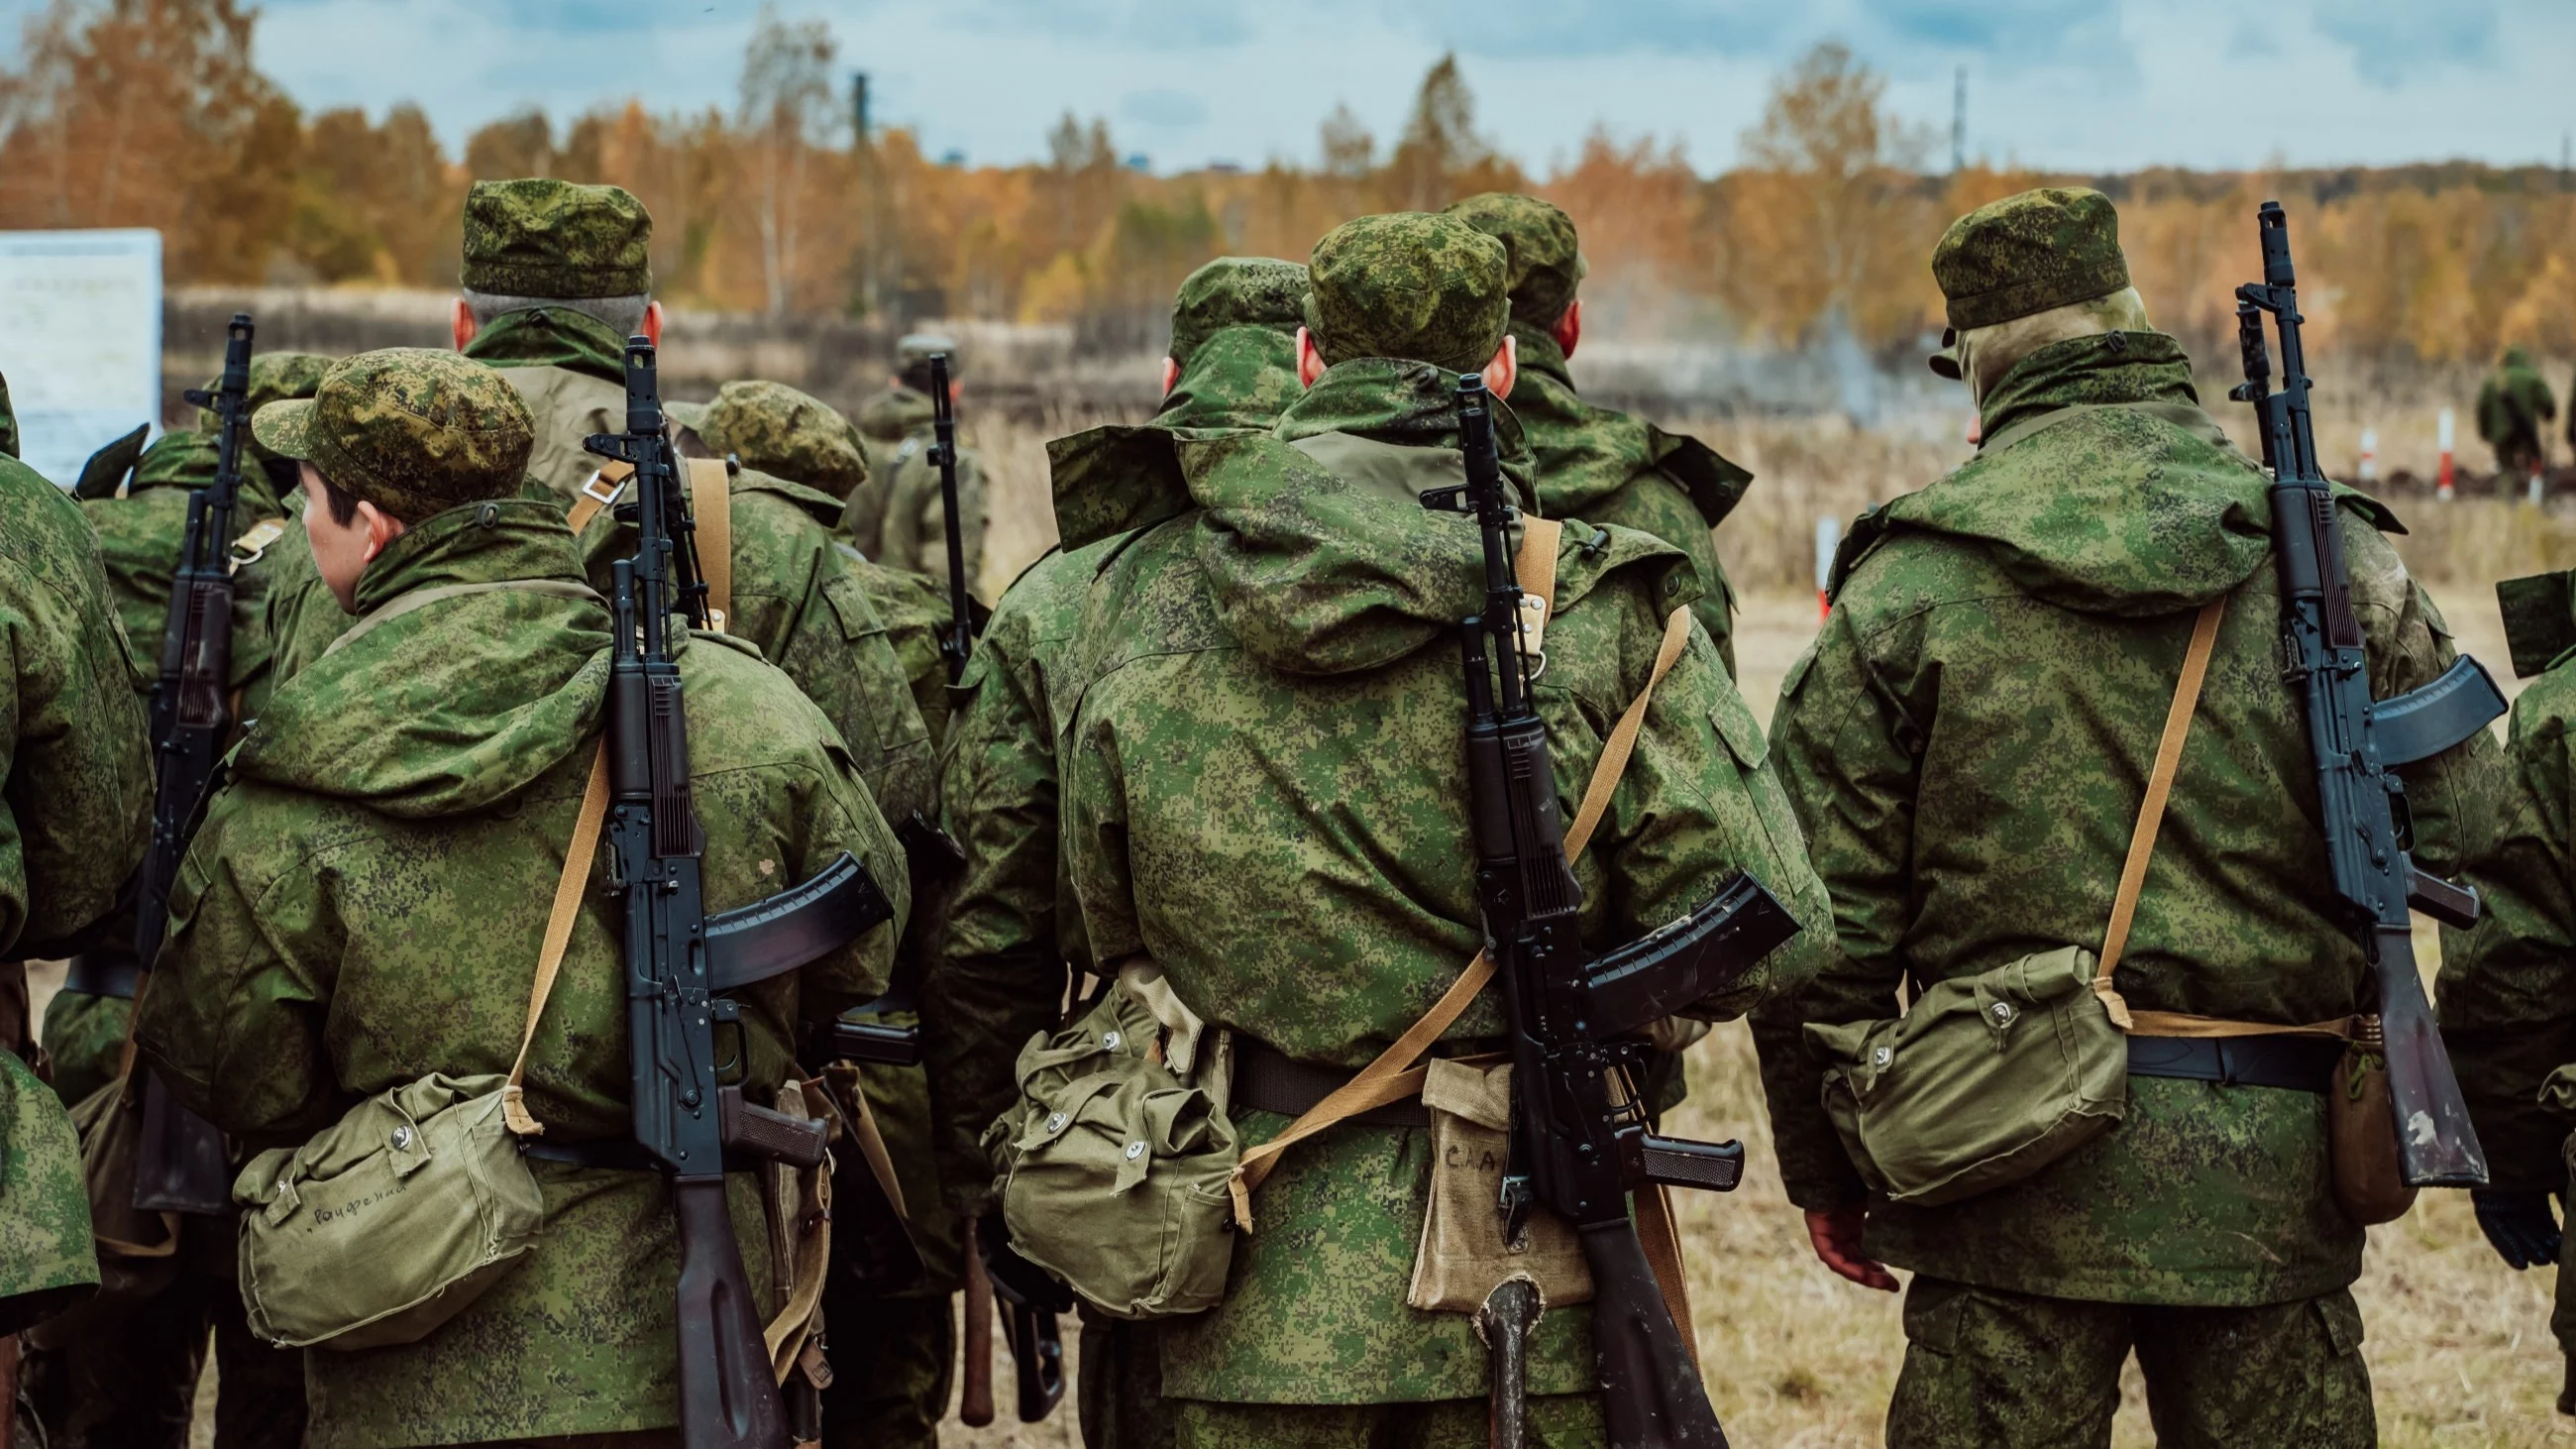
(343,504)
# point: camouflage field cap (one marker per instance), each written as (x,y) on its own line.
(274,377)
(1410,285)
(1236,292)
(412,430)
(785,433)
(536,237)
(913,351)
(2028,253)
(1546,264)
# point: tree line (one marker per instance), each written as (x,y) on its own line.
(152,113)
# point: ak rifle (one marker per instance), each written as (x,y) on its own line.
(957,643)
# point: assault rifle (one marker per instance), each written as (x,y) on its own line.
(679,959)
(1579,1143)
(180,1163)
(2359,742)
(958,642)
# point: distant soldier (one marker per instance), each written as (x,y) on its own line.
(74,818)
(126,1373)
(900,519)
(2515,409)
(1013,930)
(1589,462)
(1969,744)
(365,902)
(556,277)
(1264,791)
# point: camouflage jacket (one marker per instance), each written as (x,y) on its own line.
(139,536)
(795,599)
(899,517)
(915,610)
(1262,789)
(1012,925)
(2508,984)
(74,819)
(570,368)
(1606,467)
(884,420)
(1968,742)
(363,906)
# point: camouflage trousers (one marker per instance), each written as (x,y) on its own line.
(1986,1369)
(1118,1384)
(633,1439)
(894,1367)
(1556,1421)
(124,1376)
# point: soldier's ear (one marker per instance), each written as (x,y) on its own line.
(1171,374)
(1505,369)
(653,323)
(1568,330)
(1310,358)
(465,324)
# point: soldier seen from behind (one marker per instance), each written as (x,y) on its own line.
(2515,408)
(901,519)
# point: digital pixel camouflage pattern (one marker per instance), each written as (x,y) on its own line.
(912,533)
(538,237)
(1012,925)
(1409,285)
(411,430)
(884,420)
(795,599)
(1992,1370)
(1968,742)
(1544,265)
(274,377)
(73,825)
(785,433)
(363,905)
(570,369)
(2515,407)
(8,422)
(1262,790)
(2027,253)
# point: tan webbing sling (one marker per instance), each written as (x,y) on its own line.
(2142,849)
(710,504)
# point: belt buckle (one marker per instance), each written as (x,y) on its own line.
(591,489)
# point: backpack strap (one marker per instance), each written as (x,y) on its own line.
(1396,1073)
(711,507)
(559,922)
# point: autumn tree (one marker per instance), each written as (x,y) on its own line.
(786,113)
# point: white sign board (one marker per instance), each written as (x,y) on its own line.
(80,341)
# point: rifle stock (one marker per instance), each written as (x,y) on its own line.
(2357,741)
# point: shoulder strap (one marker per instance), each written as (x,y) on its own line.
(711,508)
(2151,814)
(253,544)
(567,907)
(1395,1075)
(603,489)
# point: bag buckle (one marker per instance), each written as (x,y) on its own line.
(592,489)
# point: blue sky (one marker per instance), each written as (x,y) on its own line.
(2060,84)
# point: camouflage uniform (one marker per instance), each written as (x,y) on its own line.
(125,1373)
(73,823)
(1592,463)
(1967,744)
(2514,412)
(541,238)
(2507,995)
(906,1343)
(902,521)
(1262,790)
(364,902)
(1013,929)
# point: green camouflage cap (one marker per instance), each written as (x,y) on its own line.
(786,434)
(1546,265)
(2029,253)
(1409,285)
(1237,292)
(913,351)
(536,237)
(274,377)
(412,430)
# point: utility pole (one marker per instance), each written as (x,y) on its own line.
(859,107)
(1959,123)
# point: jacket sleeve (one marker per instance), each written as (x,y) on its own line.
(235,1013)
(2508,985)
(997,977)
(1842,750)
(79,793)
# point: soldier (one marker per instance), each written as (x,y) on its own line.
(74,819)
(1592,463)
(364,902)
(556,278)
(2507,1012)
(2514,411)
(902,521)
(1968,744)
(125,1373)
(1263,792)
(1012,931)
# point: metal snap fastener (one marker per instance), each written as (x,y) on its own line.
(1055,1121)
(2003,1013)
(402,1138)
(1111,1039)
(1135,1150)
(1883,1055)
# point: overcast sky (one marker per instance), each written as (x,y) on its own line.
(2058,84)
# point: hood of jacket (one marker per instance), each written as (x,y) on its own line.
(1581,454)
(1320,557)
(2103,486)
(457,706)
(551,337)
(1110,480)
(893,414)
